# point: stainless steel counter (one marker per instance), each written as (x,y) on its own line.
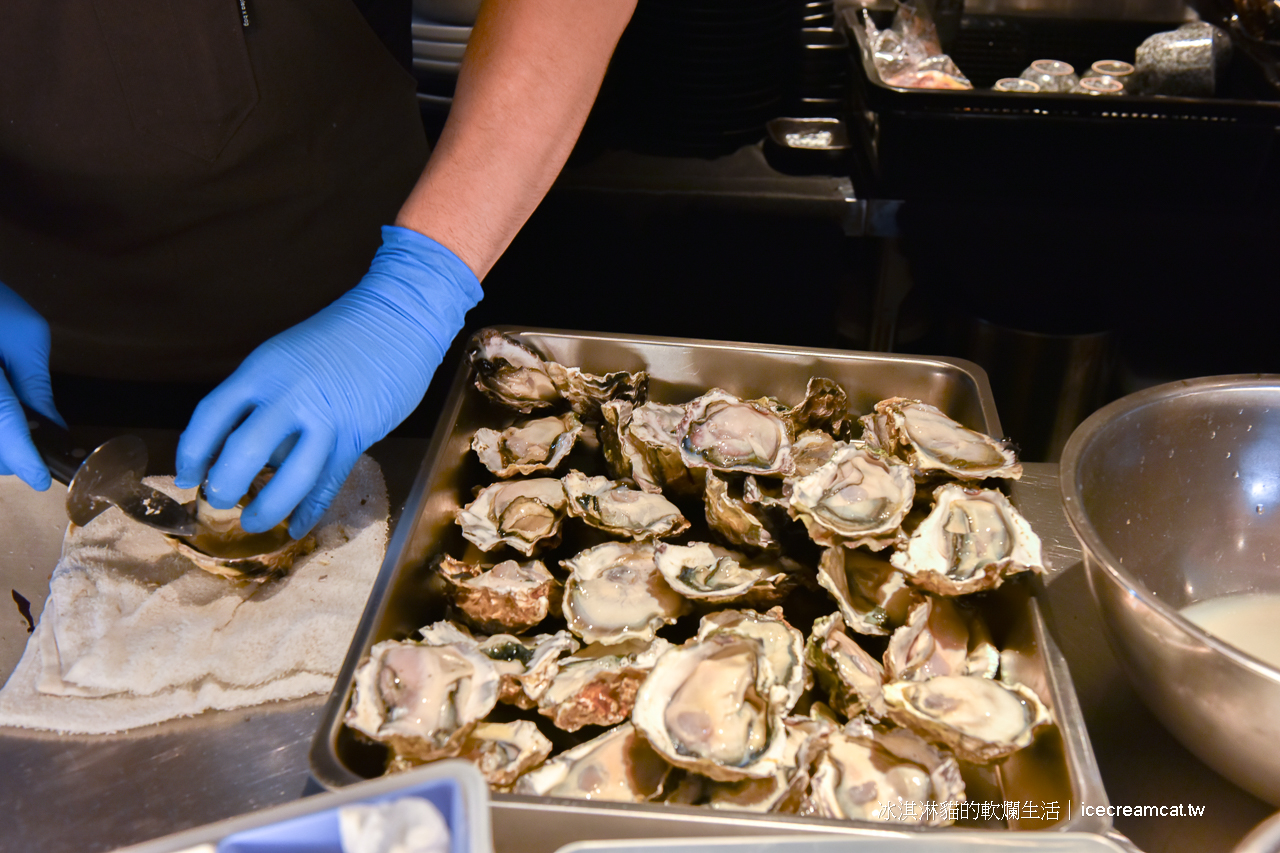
(98,793)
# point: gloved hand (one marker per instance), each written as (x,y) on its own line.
(24,378)
(317,395)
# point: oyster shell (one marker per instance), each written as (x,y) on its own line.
(733,519)
(871,594)
(812,449)
(705,572)
(503,751)
(586,392)
(622,511)
(858,498)
(520,513)
(783,647)
(509,596)
(851,676)
(714,706)
(525,666)
(939,638)
(616,593)
(871,774)
(930,442)
(617,766)
(825,407)
(597,686)
(723,433)
(971,540)
(422,700)
(981,719)
(529,446)
(640,443)
(510,373)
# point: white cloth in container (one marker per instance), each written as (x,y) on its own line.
(133,633)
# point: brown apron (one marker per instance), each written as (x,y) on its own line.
(176,187)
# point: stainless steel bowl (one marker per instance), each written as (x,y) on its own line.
(1174,493)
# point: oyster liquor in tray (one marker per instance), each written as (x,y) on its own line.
(682,588)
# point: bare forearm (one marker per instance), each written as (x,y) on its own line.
(532,71)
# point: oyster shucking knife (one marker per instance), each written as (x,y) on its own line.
(109,476)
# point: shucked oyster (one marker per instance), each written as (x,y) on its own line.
(521,513)
(714,706)
(930,442)
(597,686)
(939,638)
(721,432)
(503,751)
(734,520)
(536,444)
(705,572)
(422,700)
(871,774)
(507,597)
(639,442)
(856,498)
(981,719)
(616,509)
(616,593)
(851,676)
(525,666)
(617,766)
(971,540)
(783,648)
(871,594)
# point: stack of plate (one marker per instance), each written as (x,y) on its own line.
(703,76)
(437,54)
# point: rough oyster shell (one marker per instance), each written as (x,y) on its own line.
(528,446)
(733,519)
(520,513)
(871,594)
(812,449)
(598,685)
(825,407)
(858,498)
(615,593)
(525,666)
(930,442)
(640,443)
(714,706)
(851,676)
(971,540)
(508,597)
(870,774)
(617,766)
(622,511)
(981,719)
(422,700)
(501,751)
(586,392)
(705,572)
(939,638)
(723,433)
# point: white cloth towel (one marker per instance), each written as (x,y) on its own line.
(133,633)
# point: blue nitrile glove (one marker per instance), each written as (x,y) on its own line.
(320,393)
(24,378)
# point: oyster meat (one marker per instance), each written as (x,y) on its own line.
(617,766)
(640,443)
(783,648)
(597,686)
(858,498)
(971,540)
(872,595)
(711,706)
(509,597)
(931,443)
(615,593)
(510,373)
(723,433)
(504,751)
(422,700)
(520,513)
(529,446)
(525,666)
(939,638)
(981,719)
(622,511)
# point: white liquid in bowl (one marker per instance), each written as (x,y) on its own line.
(1250,622)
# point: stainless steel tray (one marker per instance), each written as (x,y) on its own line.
(1059,766)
